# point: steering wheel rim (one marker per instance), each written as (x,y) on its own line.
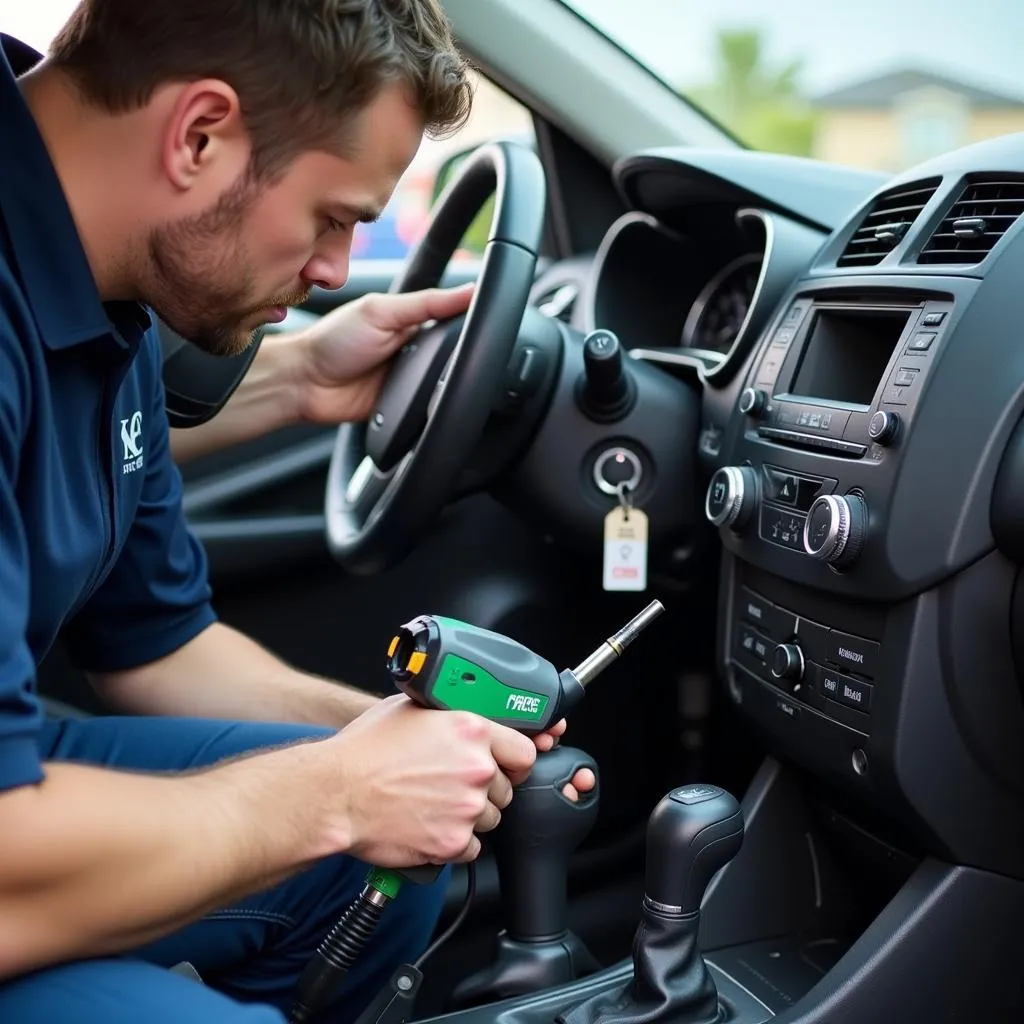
(374,518)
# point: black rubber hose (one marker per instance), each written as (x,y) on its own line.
(327,968)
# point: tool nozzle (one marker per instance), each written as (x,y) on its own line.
(613,647)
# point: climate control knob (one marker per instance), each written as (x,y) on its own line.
(732,495)
(836,528)
(788,663)
(751,402)
(883,426)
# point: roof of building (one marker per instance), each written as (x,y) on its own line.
(881,90)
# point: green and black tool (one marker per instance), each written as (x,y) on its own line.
(450,665)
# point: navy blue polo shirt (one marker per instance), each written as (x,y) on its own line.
(93,541)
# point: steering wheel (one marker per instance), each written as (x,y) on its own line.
(390,476)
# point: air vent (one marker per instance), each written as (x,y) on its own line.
(982,214)
(888,220)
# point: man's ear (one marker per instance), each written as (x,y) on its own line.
(205,131)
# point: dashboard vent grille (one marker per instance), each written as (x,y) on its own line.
(888,220)
(983,212)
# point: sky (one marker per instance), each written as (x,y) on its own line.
(840,41)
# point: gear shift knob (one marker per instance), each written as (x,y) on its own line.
(693,832)
(539,832)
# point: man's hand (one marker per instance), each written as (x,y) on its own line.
(583,781)
(346,353)
(415,784)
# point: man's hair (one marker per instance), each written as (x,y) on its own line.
(303,69)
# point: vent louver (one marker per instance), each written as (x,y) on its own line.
(983,212)
(888,220)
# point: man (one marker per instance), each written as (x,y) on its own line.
(207,159)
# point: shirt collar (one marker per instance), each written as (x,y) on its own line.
(50,259)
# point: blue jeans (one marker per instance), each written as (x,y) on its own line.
(250,955)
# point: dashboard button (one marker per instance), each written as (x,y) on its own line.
(834,422)
(769,368)
(752,648)
(783,528)
(842,689)
(922,341)
(902,386)
(932,319)
(827,682)
(780,487)
(770,619)
(855,694)
(756,609)
(854,653)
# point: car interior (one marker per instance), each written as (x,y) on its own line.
(809,380)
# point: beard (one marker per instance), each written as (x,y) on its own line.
(201,281)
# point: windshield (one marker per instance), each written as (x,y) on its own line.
(880,84)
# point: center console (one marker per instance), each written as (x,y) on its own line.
(861,598)
(866,612)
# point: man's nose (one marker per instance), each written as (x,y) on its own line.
(329,268)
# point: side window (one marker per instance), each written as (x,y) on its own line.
(495,115)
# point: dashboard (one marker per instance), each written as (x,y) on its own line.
(857,342)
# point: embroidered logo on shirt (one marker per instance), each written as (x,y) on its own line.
(131,433)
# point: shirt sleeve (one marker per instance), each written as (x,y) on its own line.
(21,715)
(157,596)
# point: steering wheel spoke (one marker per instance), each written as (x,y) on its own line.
(366,486)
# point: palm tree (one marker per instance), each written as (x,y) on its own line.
(762,105)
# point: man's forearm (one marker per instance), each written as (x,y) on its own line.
(95,862)
(223,674)
(265,400)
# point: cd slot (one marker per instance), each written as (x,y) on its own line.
(817,442)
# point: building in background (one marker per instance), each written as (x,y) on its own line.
(895,120)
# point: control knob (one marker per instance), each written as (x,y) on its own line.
(751,401)
(788,663)
(732,495)
(606,391)
(883,426)
(835,529)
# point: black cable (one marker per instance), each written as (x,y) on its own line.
(459,918)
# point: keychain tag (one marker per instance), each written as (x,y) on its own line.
(625,547)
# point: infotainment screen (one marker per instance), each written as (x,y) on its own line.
(846,354)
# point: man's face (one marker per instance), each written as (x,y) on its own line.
(216,276)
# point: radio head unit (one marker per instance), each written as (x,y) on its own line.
(840,375)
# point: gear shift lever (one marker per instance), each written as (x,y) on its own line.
(692,833)
(539,832)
